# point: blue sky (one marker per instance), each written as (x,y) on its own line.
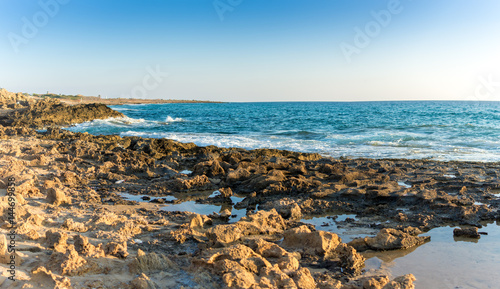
(253,50)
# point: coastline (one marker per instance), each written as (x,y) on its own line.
(125,101)
(73,224)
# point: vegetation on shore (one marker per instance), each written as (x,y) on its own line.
(113,101)
(58,96)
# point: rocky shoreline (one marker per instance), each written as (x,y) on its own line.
(74,228)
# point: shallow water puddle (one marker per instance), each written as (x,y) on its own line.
(404,185)
(480,204)
(207,209)
(330,224)
(446,262)
(138,198)
(192,206)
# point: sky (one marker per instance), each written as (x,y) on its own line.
(253,50)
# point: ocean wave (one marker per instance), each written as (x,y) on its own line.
(125,109)
(240,141)
(399,143)
(112,122)
(170,119)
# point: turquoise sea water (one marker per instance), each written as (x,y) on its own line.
(440,130)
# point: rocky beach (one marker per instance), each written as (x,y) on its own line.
(95,211)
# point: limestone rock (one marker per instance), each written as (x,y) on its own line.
(71,225)
(143,282)
(56,240)
(368,282)
(288,263)
(388,239)
(197,221)
(85,248)
(200,182)
(116,249)
(226,192)
(317,242)
(401,282)
(209,168)
(236,276)
(277,278)
(68,263)
(224,233)
(43,278)
(57,197)
(267,249)
(4,255)
(303,279)
(237,175)
(28,189)
(349,258)
(262,222)
(28,229)
(375,282)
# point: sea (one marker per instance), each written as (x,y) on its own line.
(434,130)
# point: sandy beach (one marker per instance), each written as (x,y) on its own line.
(86,211)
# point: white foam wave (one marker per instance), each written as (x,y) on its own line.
(112,122)
(125,109)
(353,149)
(171,119)
(240,141)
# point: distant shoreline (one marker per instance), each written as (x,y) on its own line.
(123,101)
(81,99)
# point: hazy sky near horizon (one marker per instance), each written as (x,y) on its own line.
(253,50)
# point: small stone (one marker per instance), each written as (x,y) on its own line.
(56,240)
(57,197)
(116,249)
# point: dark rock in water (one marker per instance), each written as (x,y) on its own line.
(467,232)
(146,198)
(388,239)
(159,200)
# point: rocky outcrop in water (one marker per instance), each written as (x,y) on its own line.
(388,239)
(51,112)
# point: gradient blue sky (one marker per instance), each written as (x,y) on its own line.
(263,50)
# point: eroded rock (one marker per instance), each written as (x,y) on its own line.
(57,197)
(388,239)
(43,278)
(116,249)
(56,240)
